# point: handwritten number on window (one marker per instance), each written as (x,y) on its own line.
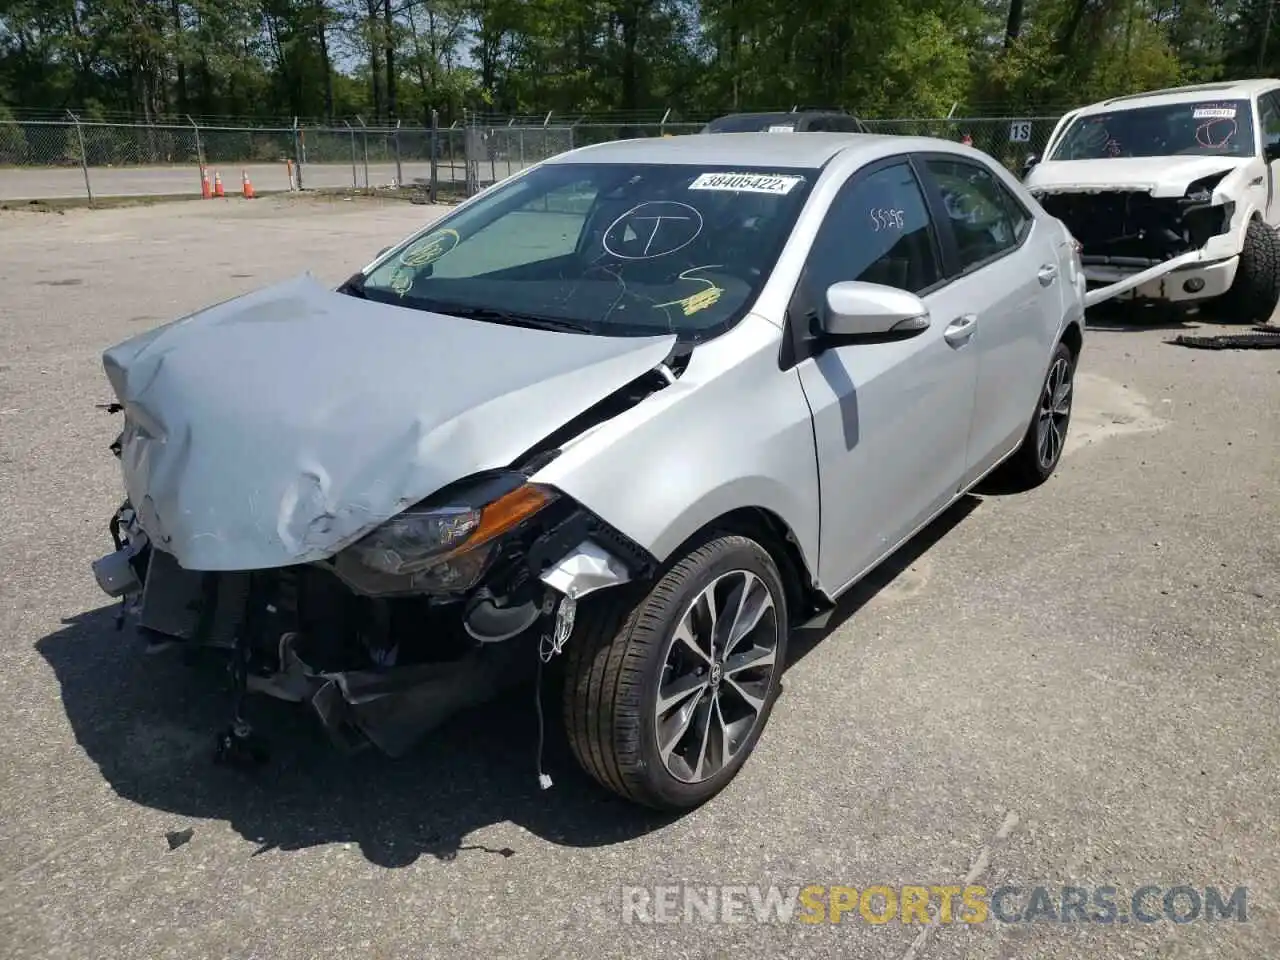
(884,218)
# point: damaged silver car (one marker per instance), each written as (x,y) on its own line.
(631,415)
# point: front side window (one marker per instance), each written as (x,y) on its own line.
(1209,128)
(985,220)
(615,249)
(1269,114)
(878,231)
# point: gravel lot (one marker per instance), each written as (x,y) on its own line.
(1074,686)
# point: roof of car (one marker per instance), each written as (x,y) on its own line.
(810,151)
(1226,90)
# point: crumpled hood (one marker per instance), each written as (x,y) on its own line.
(1162,176)
(281,426)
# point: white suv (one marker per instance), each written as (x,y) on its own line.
(1173,194)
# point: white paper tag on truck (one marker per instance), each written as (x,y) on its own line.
(1213,113)
(777,184)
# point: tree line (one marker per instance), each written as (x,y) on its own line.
(389,60)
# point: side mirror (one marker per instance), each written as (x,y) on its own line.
(1027,164)
(857,310)
(1271,152)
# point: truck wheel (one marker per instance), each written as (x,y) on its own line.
(1041,449)
(1256,290)
(665,700)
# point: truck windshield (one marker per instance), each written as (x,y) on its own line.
(1200,128)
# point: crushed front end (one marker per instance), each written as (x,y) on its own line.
(444,606)
(362,531)
(394,634)
(1150,247)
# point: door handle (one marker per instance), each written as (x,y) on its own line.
(961,328)
(1048,273)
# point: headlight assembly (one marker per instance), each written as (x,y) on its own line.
(441,547)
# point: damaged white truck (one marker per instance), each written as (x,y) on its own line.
(1173,196)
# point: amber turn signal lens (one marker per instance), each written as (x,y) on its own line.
(508,512)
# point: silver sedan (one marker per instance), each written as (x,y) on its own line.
(625,419)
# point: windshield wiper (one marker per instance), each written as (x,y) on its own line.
(492,315)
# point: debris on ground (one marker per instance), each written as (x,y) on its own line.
(178,838)
(1261,337)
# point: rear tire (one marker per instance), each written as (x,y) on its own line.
(1041,449)
(662,704)
(1256,289)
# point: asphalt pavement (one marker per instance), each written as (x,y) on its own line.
(1075,686)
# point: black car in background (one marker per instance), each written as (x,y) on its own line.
(794,121)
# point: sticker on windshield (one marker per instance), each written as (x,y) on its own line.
(430,248)
(708,296)
(782,128)
(1213,113)
(747,182)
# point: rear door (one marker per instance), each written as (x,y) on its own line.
(890,419)
(1009,272)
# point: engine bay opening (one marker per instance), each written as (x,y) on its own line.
(1132,229)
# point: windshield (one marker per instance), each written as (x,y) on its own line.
(615,249)
(752,123)
(1201,129)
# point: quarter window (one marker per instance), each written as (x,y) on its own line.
(986,219)
(877,230)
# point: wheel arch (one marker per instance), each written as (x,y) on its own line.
(768,529)
(1073,337)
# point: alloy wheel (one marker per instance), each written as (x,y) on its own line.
(717,675)
(1055,412)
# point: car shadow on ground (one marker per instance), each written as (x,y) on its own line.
(149,723)
(803,641)
(1127,317)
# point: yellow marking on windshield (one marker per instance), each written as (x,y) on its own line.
(708,296)
(401,280)
(430,248)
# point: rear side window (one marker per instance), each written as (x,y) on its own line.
(986,219)
(877,230)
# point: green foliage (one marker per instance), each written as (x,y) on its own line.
(402,59)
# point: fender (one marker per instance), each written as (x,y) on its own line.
(694,451)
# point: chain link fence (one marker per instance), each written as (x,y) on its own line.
(73,158)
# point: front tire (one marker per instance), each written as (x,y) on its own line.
(1041,448)
(1256,289)
(665,700)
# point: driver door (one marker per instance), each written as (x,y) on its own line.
(1268,139)
(891,419)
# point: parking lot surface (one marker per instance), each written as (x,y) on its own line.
(60,183)
(1076,686)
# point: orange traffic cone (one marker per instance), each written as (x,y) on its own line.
(205,191)
(246,186)
(218,190)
